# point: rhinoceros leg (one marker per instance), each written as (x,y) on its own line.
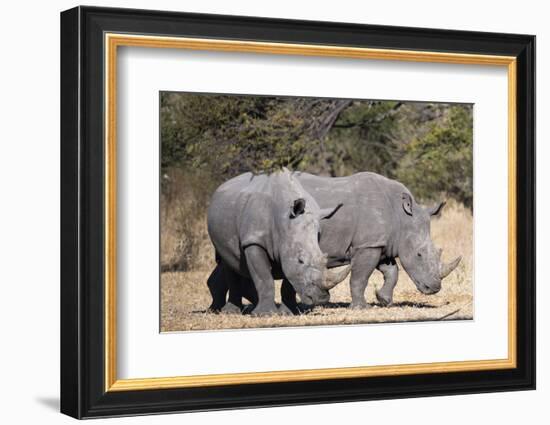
(221,281)
(259,268)
(234,301)
(239,288)
(218,286)
(363,264)
(248,290)
(288,297)
(390,270)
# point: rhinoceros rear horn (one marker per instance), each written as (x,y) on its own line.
(447,268)
(334,277)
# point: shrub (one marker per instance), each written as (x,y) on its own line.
(184,239)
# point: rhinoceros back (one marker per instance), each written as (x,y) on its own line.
(366,218)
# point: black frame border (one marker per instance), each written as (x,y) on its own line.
(82,212)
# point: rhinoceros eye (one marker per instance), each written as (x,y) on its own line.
(300,261)
(419,254)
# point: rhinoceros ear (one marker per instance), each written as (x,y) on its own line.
(407,203)
(299,207)
(436,209)
(329,212)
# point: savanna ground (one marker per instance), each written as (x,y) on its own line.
(206,139)
(185,296)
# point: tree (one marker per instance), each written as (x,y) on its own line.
(426,146)
(362,139)
(441,160)
(234,134)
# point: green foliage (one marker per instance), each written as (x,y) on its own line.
(441,160)
(428,147)
(234,134)
(362,139)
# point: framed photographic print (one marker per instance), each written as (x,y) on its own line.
(261,212)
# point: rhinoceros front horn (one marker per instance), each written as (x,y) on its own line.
(447,268)
(334,276)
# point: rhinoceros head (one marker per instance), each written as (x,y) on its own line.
(417,252)
(302,261)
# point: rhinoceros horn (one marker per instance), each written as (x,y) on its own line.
(334,276)
(447,268)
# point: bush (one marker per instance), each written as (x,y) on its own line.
(184,239)
(440,162)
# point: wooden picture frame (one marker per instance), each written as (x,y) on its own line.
(90,38)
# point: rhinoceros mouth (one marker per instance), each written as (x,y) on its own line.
(323,299)
(315,297)
(426,289)
(429,291)
(306,299)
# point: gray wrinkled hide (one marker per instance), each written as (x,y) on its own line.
(369,218)
(265,227)
(378,222)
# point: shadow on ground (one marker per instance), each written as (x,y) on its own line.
(306,309)
(49,402)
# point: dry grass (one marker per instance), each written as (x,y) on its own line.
(184,241)
(185,296)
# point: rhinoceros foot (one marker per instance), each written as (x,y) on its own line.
(231,308)
(270,310)
(384,299)
(214,308)
(359,305)
(265,310)
(285,311)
